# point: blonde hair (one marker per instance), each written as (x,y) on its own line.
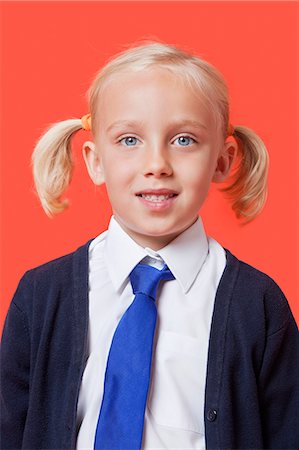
(52,156)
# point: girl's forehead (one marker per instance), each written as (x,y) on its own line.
(152,86)
(133,79)
(156,97)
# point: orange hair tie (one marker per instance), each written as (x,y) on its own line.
(230,130)
(86,122)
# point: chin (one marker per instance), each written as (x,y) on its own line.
(157,231)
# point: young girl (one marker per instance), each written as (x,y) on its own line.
(220,368)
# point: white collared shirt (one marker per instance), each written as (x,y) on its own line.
(174,415)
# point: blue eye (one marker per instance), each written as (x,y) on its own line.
(183,139)
(130,138)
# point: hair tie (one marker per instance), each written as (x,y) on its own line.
(230,129)
(86,122)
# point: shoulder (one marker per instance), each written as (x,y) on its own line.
(251,278)
(46,279)
(260,293)
(62,262)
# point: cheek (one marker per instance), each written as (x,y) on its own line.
(118,172)
(196,181)
(195,175)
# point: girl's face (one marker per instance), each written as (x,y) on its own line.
(157,151)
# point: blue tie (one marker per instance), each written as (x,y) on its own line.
(121,417)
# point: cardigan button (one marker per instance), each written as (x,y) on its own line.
(211,415)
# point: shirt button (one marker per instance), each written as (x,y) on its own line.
(211,415)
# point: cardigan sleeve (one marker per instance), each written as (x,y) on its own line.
(15,369)
(279,374)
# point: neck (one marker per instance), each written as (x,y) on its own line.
(153,242)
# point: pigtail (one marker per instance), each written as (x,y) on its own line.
(248,189)
(52,165)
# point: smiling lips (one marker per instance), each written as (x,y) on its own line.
(157,199)
(157,194)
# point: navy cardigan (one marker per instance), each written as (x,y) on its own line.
(251,396)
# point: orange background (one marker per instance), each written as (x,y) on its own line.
(50,53)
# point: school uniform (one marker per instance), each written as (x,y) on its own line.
(174,416)
(226,359)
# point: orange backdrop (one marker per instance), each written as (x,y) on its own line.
(50,53)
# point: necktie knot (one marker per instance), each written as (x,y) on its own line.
(145,279)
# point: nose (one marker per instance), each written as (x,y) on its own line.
(157,162)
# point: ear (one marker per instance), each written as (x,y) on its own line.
(225,160)
(93,162)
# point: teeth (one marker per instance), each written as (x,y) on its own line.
(156,198)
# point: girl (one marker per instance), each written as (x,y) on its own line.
(220,370)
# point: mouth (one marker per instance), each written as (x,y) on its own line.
(157,200)
(157,195)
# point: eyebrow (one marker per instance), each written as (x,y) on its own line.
(132,123)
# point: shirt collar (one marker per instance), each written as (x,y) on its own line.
(122,253)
